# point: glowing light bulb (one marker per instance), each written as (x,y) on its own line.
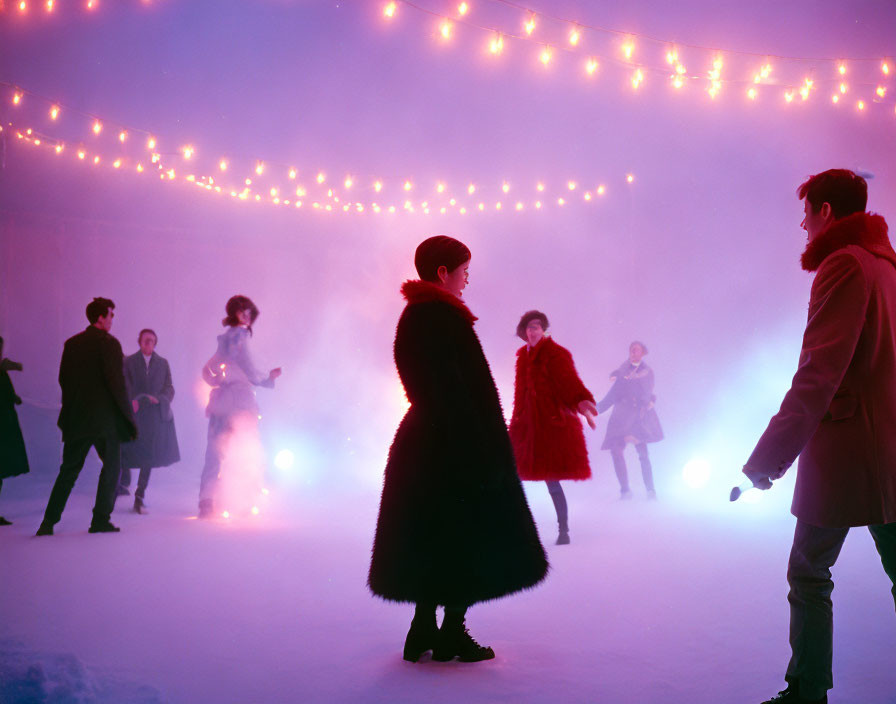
(259,168)
(378,186)
(630,178)
(519,205)
(545,56)
(348,182)
(881,91)
(293,173)
(59,149)
(574,36)
(587,195)
(16,98)
(788,96)
(274,193)
(463,9)
(601,190)
(842,69)
(471,189)
(680,69)
(188,152)
(408,185)
(677,82)
(628,48)
(255,510)
(49,5)
(804,91)
(97,126)
(530,25)
(496,44)
(751,94)
(637,78)
(505,187)
(538,205)
(861,105)
(440,187)
(571,185)
(54,112)
(139,168)
(301,192)
(81,154)
(23,6)
(92,4)
(226,514)
(155,158)
(498,205)
(885,67)
(117,163)
(151,143)
(835,98)
(843,88)
(96,160)
(539,187)
(321,177)
(171,174)
(481,206)
(452,202)
(445,29)
(561,201)
(671,56)
(222,165)
(389,9)
(591,66)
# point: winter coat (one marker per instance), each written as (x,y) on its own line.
(232,373)
(13,458)
(633,417)
(156,443)
(454,526)
(545,429)
(95,401)
(839,415)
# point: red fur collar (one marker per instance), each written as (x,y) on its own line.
(416,291)
(866,230)
(544,342)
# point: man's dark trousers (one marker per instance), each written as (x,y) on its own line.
(74,452)
(815,550)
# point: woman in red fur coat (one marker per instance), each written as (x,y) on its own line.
(545,429)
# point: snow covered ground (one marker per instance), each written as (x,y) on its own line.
(682,600)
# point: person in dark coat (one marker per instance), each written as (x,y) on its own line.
(839,417)
(148,379)
(634,419)
(13,458)
(95,413)
(545,429)
(454,528)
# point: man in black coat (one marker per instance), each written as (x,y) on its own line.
(95,413)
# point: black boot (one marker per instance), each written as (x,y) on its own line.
(791,695)
(105,527)
(422,634)
(4,522)
(455,641)
(206,508)
(559,499)
(44,529)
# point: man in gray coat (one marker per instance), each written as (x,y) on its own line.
(148,379)
(95,413)
(839,416)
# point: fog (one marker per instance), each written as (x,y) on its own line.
(698,257)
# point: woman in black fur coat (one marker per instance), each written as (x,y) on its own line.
(454,527)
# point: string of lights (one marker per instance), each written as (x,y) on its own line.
(49,7)
(105,144)
(861,82)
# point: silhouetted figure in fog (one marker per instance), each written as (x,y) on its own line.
(454,527)
(232,374)
(95,413)
(545,429)
(634,419)
(839,416)
(13,458)
(148,379)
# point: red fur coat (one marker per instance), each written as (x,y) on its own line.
(545,430)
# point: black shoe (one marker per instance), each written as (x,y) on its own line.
(45,529)
(122,491)
(106,527)
(140,507)
(791,695)
(563,538)
(206,509)
(420,639)
(4,522)
(456,642)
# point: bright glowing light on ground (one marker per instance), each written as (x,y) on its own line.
(696,473)
(285,459)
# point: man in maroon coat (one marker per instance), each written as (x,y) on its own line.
(839,416)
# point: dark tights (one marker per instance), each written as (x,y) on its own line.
(559,499)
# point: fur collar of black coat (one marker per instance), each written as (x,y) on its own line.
(866,230)
(417,291)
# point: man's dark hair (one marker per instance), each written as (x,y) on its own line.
(527,318)
(144,331)
(98,308)
(236,304)
(847,192)
(437,251)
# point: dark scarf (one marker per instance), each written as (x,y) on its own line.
(866,230)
